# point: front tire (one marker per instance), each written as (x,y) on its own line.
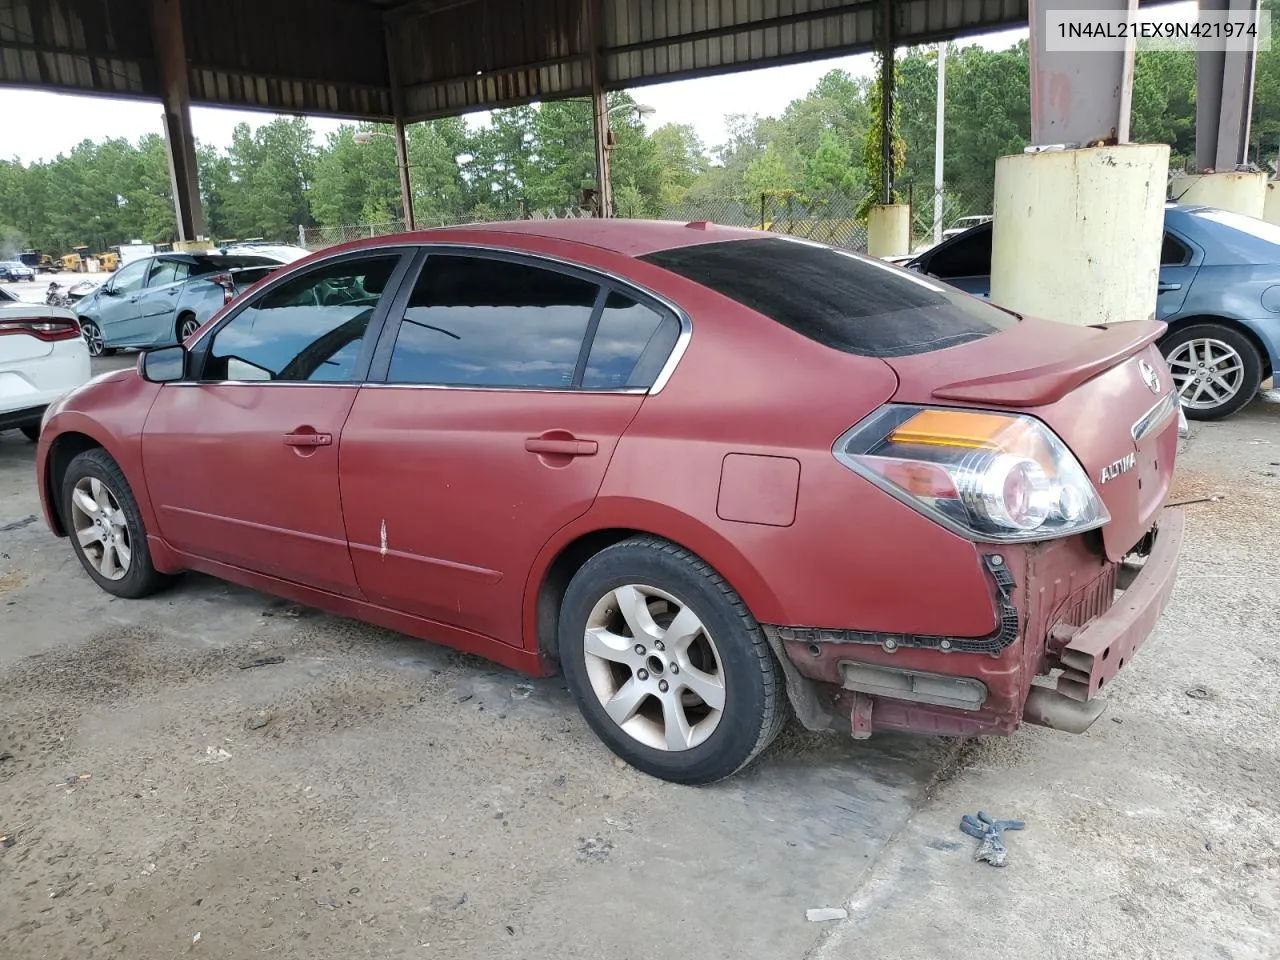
(1216,369)
(666,663)
(92,334)
(105,526)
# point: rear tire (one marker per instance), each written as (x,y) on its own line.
(667,664)
(186,326)
(105,526)
(1216,369)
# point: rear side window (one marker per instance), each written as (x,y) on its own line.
(485,322)
(847,302)
(632,343)
(1172,252)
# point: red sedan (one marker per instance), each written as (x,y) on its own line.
(706,472)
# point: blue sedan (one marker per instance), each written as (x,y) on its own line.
(161,300)
(1219,291)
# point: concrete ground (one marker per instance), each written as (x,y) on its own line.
(162,795)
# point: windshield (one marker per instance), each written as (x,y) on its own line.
(839,299)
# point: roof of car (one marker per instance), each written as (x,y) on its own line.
(634,238)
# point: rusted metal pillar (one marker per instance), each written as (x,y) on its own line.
(1224,96)
(171,64)
(1079,97)
(886,97)
(599,111)
(406,187)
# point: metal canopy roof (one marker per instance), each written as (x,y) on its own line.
(359,58)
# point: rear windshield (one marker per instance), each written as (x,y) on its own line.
(839,299)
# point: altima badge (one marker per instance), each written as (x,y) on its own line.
(1123,465)
(1149,376)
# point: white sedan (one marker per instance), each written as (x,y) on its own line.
(42,357)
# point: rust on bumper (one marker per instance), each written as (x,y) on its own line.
(1094,654)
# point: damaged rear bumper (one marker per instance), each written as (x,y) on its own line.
(1078,617)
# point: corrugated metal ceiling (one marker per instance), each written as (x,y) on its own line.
(339,57)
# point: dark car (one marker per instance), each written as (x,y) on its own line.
(163,299)
(1219,292)
(702,470)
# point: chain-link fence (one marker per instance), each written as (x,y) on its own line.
(835,218)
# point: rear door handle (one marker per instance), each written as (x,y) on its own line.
(309,438)
(1168,287)
(563,448)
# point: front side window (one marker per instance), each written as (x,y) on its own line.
(485,322)
(844,301)
(309,328)
(131,277)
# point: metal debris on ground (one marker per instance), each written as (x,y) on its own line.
(7,840)
(215,755)
(262,662)
(819,914)
(1216,498)
(991,833)
(1197,693)
(522,691)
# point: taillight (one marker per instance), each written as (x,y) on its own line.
(988,476)
(42,329)
(228,286)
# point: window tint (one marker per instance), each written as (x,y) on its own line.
(309,328)
(166,271)
(130,278)
(844,301)
(1172,252)
(631,344)
(967,256)
(475,321)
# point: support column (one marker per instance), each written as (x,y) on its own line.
(1224,97)
(1241,192)
(599,110)
(1271,207)
(939,127)
(888,223)
(406,188)
(171,64)
(1077,229)
(402,149)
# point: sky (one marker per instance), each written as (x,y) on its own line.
(39,126)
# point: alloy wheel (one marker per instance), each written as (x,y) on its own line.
(1206,372)
(189,326)
(101,528)
(93,337)
(654,667)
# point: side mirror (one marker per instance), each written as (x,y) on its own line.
(164,364)
(108,290)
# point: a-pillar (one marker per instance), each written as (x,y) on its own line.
(171,65)
(1077,229)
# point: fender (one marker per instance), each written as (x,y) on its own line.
(658,520)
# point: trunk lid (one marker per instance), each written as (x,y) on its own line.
(1104,390)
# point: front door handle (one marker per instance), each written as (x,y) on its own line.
(1167,287)
(307,438)
(564,448)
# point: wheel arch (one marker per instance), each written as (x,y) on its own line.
(64,448)
(607,524)
(1264,354)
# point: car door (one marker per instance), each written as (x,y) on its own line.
(158,301)
(241,461)
(118,308)
(507,384)
(963,261)
(1179,262)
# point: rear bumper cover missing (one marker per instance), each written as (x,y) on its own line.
(1057,583)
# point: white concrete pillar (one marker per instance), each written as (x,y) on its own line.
(1238,192)
(1077,233)
(1271,206)
(889,230)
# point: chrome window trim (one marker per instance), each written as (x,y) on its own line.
(664,374)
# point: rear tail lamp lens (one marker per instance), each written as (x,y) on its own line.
(987,476)
(228,285)
(48,330)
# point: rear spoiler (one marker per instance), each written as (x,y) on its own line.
(1050,382)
